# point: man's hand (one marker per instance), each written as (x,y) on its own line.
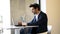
(19,23)
(22,23)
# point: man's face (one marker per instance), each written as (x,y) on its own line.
(33,10)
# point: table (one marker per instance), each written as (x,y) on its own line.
(17,28)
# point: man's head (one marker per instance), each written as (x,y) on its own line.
(35,8)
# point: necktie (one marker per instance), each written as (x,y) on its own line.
(34,18)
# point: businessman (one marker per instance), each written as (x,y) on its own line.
(40,20)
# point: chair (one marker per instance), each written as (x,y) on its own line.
(49,30)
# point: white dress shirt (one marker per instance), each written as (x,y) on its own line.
(36,17)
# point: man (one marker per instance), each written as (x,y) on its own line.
(40,20)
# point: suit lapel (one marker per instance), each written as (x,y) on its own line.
(39,16)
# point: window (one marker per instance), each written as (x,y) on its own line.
(43,5)
(5,13)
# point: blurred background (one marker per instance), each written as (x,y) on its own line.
(15,9)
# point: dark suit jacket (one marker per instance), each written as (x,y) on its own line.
(42,23)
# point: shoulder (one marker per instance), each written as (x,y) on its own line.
(42,14)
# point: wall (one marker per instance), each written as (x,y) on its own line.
(17,8)
(29,14)
(20,8)
(53,12)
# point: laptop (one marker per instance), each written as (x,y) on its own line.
(14,23)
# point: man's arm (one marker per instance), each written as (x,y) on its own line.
(42,20)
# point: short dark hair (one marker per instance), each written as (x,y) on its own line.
(35,5)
